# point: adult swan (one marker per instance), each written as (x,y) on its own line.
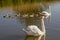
(34,30)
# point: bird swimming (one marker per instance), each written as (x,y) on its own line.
(33,30)
(7,16)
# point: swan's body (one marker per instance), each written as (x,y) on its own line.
(33,30)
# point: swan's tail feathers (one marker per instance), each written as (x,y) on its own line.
(24,30)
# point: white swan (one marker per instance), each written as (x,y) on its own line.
(34,30)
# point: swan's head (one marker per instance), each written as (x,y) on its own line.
(45,14)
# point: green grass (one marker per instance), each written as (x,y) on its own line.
(18,2)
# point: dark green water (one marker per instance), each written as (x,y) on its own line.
(11,28)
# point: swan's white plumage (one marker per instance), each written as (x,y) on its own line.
(33,30)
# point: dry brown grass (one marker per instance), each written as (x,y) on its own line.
(27,8)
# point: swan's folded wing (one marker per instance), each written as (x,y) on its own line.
(28,31)
(36,30)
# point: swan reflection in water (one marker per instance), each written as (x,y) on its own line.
(34,38)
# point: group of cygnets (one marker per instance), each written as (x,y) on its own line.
(19,15)
(10,16)
(26,15)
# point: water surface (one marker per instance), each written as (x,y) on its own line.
(11,28)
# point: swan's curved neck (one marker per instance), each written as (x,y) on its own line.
(43,25)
